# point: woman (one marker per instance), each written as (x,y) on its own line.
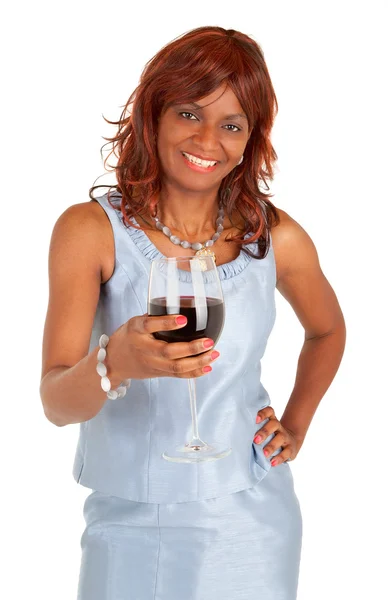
(197,138)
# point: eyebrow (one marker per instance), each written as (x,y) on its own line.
(234,116)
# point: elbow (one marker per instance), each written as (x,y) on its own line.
(340,329)
(337,328)
(48,412)
(46,398)
(52,418)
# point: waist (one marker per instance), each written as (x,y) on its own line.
(120,450)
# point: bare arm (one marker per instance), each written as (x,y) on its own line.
(303,284)
(70,388)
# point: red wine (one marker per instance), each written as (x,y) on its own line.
(211,327)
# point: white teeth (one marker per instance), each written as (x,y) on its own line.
(198,161)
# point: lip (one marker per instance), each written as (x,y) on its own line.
(201,157)
(198,168)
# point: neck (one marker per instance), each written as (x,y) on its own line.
(192,216)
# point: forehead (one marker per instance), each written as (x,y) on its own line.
(222,96)
(221,99)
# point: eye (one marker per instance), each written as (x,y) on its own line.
(235,127)
(191,117)
(187,113)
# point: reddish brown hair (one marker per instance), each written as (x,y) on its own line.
(186,70)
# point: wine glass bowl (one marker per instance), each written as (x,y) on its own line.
(187,307)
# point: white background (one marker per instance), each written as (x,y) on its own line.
(66,65)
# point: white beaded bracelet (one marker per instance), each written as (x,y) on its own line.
(102,371)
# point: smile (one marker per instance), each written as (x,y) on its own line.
(206,164)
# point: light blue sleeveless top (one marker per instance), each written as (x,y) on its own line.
(120,450)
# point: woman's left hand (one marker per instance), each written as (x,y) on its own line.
(283,438)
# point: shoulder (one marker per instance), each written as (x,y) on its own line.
(84,214)
(85,228)
(300,279)
(293,247)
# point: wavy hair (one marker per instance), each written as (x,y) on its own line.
(186,70)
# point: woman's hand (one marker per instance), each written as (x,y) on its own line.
(134,353)
(283,438)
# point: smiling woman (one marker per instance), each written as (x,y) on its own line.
(193,147)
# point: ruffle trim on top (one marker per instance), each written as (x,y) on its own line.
(149,250)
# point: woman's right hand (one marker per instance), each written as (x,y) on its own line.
(134,353)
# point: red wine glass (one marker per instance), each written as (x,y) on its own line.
(189,286)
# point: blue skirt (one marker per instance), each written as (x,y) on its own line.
(243,546)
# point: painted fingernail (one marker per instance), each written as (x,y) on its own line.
(214,355)
(181,320)
(274,462)
(257,439)
(206,369)
(266,452)
(208,344)
(258,419)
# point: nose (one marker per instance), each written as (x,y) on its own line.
(206,137)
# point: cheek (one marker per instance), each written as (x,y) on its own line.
(167,154)
(172,131)
(234,155)
(235,147)
(168,143)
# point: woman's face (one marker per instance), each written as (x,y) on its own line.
(214,129)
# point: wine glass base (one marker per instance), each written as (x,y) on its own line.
(191,453)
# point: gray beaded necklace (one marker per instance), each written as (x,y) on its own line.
(202,249)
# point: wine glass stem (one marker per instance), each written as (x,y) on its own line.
(193,406)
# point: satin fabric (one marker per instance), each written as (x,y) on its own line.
(242,546)
(119,451)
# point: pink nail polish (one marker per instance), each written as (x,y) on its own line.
(266,452)
(207,369)
(258,419)
(208,344)
(214,355)
(257,439)
(274,462)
